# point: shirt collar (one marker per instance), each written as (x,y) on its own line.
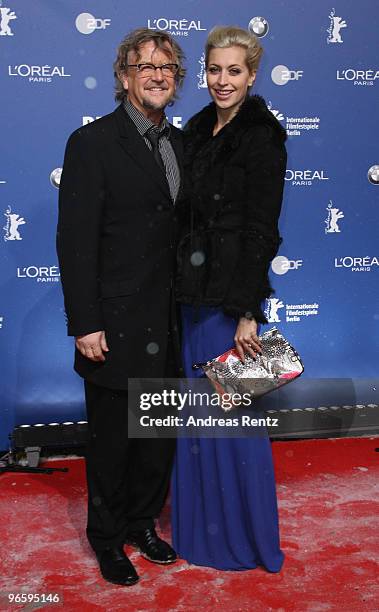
(142,123)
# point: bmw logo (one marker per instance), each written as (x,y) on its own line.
(55,177)
(258,26)
(373,175)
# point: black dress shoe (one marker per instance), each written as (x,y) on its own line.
(151,547)
(115,567)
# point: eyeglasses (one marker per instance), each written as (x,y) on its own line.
(148,70)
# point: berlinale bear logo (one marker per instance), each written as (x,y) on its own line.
(12,224)
(202,76)
(336,24)
(273,305)
(334,215)
(6,15)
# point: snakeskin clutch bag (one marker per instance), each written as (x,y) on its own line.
(278,365)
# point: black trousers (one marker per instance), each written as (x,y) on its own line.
(127,479)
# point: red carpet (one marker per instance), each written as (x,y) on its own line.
(329,527)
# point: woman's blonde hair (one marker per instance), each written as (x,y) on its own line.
(222,37)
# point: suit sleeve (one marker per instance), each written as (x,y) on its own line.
(266,166)
(81,202)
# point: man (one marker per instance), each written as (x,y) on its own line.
(115,243)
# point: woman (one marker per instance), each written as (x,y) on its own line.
(224,499)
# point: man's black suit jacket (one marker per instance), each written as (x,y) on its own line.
(116,248)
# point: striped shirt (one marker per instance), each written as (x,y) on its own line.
(143,125)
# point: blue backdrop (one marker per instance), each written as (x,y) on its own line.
(320,77)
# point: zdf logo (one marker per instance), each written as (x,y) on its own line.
(281,75)
(87,23)
(281,264)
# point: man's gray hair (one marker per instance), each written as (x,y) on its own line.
(133,42)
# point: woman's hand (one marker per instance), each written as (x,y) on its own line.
(93,346)
(246,338)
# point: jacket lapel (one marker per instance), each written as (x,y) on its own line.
(134,146)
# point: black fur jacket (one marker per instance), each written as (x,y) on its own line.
(229,210)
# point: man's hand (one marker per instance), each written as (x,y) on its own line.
(246,338)
(93,346)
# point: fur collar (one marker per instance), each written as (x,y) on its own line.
(252,112)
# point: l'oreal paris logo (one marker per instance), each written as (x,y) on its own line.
(42,274)
(358,77)
(40,74)
(177,27)
(305,177)
(356,264)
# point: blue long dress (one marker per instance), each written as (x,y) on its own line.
(224,508)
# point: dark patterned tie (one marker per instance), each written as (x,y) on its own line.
(153,136)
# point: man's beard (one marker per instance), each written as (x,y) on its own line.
(156,106)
